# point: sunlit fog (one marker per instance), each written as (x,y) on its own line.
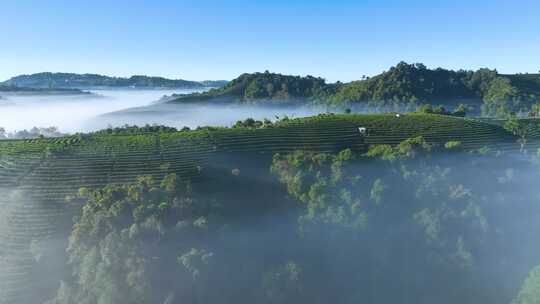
(73,113)
(105,108)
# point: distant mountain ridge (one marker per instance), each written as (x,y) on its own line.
(85,81)
(15,90)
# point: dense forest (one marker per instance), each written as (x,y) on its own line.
(410,223)
(405,84)
(415,83)
(264,86)
(70,80)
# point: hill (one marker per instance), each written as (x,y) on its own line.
(404,84)
(415,83)
(85,81)
(256,87)
(324,133)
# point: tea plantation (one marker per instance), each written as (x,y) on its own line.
(37,175)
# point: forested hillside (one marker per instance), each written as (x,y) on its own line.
(404,84)
(70,80)
(265,87)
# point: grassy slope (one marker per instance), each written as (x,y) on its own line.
(47,170)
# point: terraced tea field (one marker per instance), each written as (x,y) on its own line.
(37,175)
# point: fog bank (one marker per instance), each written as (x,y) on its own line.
(193,115)
(71,113)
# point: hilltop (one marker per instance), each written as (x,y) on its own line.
(324,133)
(256,87)
(402,84)
(86,81)
(415,83)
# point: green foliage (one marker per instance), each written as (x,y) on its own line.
(265,86)
(414,83)
(384,152)
(460,111)
(18,89)
(252,123)
(170,182)
(131,130)
(454,145)
(406,149)
(535,110)
(70,80)
(530,291)
(501,98)
(443,223)
(322,183)
(522,128)
(112,245)
(402,85)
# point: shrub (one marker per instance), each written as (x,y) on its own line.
(453,145)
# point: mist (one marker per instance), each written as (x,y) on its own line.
(105,108)
(119,107)
(72,113)
(193,115)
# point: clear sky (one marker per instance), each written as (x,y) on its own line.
(220,39)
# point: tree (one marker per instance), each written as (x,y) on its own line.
(425,108)
(501,98)
(535,110)
(520,128)
(460,111)
(453,145)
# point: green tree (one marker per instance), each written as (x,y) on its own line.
(521,128)
(535,110)
(501,98)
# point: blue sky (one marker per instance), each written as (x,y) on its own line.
(203,39)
